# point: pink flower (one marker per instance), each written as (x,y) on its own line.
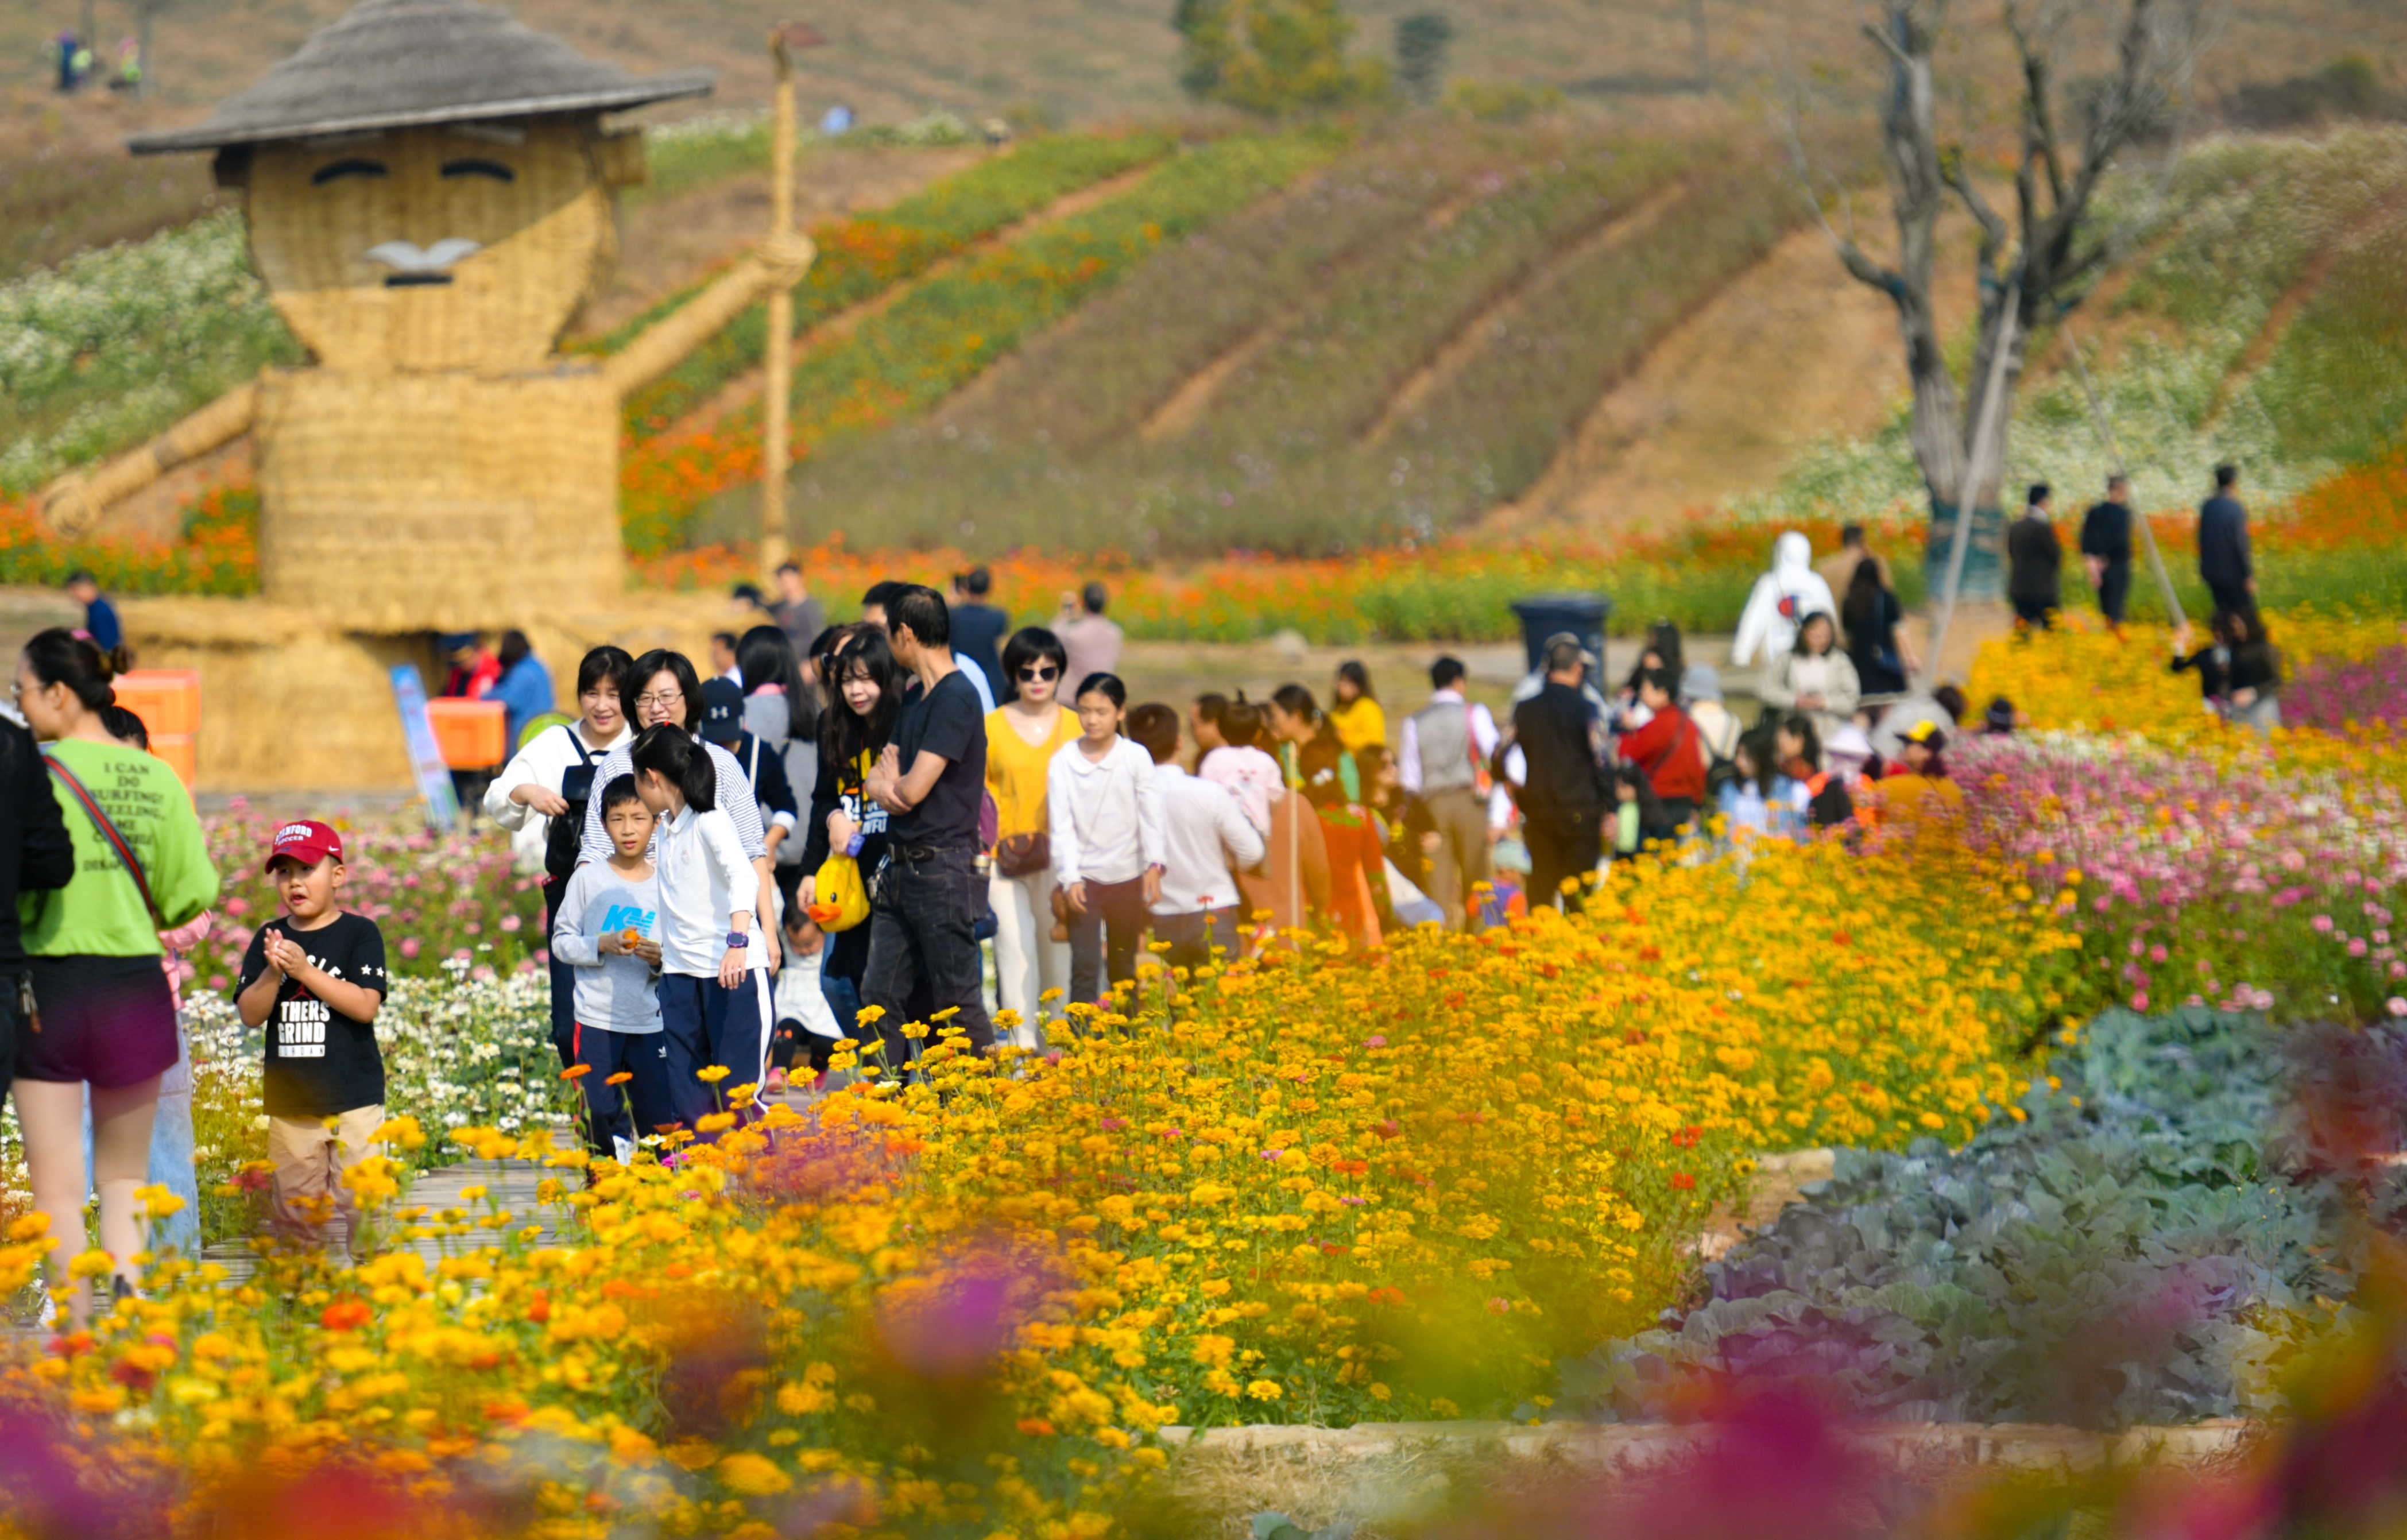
(2356,948)
(511,923)
(2395,1005)
(2322,925)
(2139,1000)
(410,948)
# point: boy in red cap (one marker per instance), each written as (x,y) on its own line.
(319,972)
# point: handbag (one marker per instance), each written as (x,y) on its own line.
(564,839)
(840,902)
(108,835)
(1024,855)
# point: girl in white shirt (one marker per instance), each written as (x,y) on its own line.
(713,987)
(1104,813)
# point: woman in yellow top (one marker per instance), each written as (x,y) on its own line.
(1020,739)
(1355,713)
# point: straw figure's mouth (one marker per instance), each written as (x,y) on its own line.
(416,267)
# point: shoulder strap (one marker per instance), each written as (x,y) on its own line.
(109,832)
(585,755)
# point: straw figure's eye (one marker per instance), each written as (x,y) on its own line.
(473,167)
(339,169)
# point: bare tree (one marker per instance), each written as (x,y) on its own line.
(2037,267)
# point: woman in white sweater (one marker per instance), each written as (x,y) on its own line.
(1814,677)
(550,780)
(1105,812)
(713,987)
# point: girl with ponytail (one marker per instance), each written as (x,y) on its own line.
(713,989)
(107,1016)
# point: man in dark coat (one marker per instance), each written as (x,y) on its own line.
(2223,558)
(1563,788)
(2034,557)
(2106,547)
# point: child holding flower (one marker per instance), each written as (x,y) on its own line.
(608,932)
(714,993)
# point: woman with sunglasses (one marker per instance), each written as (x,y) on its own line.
(1021,739)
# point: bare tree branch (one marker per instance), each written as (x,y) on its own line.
(1993,229)
(1851,256)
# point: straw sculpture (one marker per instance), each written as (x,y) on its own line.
(430,190)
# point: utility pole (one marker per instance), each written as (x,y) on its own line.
(777,405)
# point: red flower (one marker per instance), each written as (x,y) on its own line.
(1683,1182)
(1687,1138)
(347,1315)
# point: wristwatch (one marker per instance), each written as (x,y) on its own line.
(738,940)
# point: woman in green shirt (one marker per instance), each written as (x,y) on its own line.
(104,1016)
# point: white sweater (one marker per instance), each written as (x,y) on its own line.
(1204,834)
(705,880)
(1104,819)
(543,762)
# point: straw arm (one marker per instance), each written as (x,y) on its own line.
(73,503)
(776,263)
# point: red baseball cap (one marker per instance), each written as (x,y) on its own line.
(307,841)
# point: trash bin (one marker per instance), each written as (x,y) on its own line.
(1544,615)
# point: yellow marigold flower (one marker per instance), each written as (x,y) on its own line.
(753,1476)
(714,1122)
(1263,1389)
(712,1074)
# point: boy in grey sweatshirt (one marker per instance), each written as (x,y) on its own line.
(609,931)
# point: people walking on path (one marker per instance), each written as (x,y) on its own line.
(540,798)
(781,711)
(978,630)
(864,700)
(1206,841)
(1875,631)
(1780,597)
(2106,548)
(1354,711)
(1671,750)
(801,617)
(1022,736)
(100,621)
(1103,809)
(1230,736)
(1814,677)
(1093,641)
(315,980)
(139,862)
(2224,561)
(1563,790)
(932,781)
(1325,774)
(524,687)
(1838,569)
(2034,562)
(716,960)
(608,933)
(1442,757)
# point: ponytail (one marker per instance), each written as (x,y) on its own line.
(671,754)
(73,658)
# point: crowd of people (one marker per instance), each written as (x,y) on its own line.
(841,835)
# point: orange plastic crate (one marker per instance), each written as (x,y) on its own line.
(168,700)
(180,752)
(473,734)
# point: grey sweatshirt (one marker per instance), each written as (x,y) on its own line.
(618,993)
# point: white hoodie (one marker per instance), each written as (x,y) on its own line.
(1784,597)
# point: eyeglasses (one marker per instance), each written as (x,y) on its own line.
(1045,673)
(661,698)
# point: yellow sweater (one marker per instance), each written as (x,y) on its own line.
(1360,723)
(1015,770)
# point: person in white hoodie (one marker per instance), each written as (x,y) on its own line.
(714,988)
(540,797)
(1781,600)
(1104,810)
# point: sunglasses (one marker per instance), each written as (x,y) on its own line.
(1048,672)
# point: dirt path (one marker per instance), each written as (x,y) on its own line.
(1791,348)
(1473,336)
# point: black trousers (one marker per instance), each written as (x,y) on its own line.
(2114,589)
(2231,596)
(924,930)
(2033,611)
(1563,844)
(1104,939)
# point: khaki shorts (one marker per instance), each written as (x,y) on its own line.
(310,1159)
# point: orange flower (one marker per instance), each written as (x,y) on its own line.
(576,1072)
(621,1079)
(347,1315)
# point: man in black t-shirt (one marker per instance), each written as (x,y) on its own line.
(1563,784)
(315,980)
(932,781)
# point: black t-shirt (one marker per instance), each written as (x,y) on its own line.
(320,1062)
(946,721)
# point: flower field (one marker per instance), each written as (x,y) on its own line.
(1324,1187)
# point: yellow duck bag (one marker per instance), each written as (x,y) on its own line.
(840,900)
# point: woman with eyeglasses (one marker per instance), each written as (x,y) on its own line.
(662,686)
(1021,739)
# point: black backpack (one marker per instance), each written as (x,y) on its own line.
(564,841)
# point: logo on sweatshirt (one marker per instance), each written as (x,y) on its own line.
(627,917)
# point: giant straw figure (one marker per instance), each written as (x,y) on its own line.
(430,192)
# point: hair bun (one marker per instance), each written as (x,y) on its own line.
(116,659)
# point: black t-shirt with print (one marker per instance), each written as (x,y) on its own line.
(320,1062)
(946,721)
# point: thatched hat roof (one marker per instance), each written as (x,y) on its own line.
(391,63)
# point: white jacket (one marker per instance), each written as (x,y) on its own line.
(706,880)
(1204,834)
(1104,819)
(544,760)
(1782,597)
